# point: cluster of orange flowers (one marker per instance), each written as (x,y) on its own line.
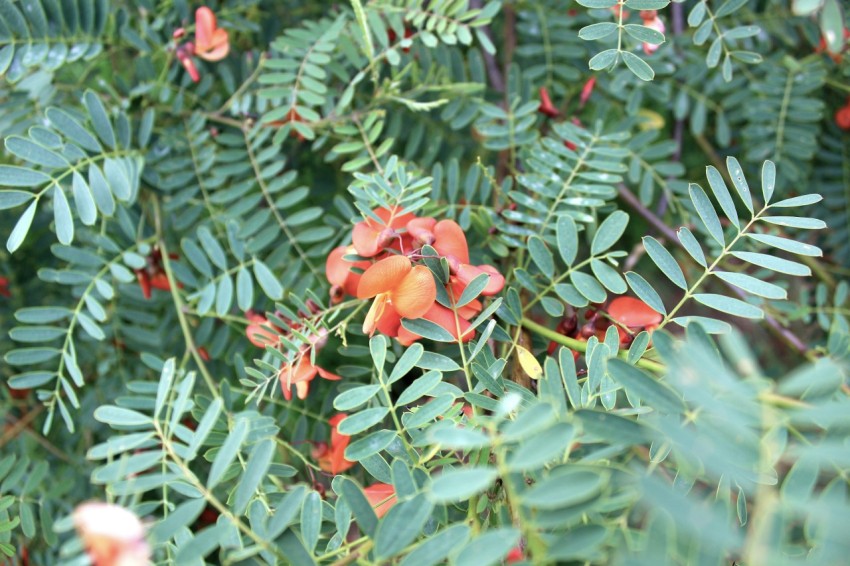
(302,370)
(211,42)
(390,251)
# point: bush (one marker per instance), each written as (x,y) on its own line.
(415,282)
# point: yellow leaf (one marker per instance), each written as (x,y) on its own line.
(650,120)
(529,363)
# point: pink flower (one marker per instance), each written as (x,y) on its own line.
(112,535)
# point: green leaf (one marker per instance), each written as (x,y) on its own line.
(795,222)
(788,245)
(638,66)
(588,286)
(420,387)
(644,34)
(752,285)
(244,289)
(11,199)
(541,448)
(427,329)
(613,428)
(489,548)
(360,507)
(541,256)
(651,391)
(458,484)
(353,398)
(99,118)
(458,438)
(256,469)
(71,128)
(62,217)
(774,263)
(567,237)
(706,213)
(368,445)
(166,380)
(227,452)
(437,547)
(407,362)
(689,242)
(665,262)
(14,176)
(551,493)
(722,194)
(768,180)
(119,416)
(311,520)
(34,153)
(83,200)
(403,522)
(597,31)
(729,305)
(645,292)
(609,232)
(736,172)
(603,59)
(363,420)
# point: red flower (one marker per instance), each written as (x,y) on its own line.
(399,288)
(586,91)
(515,555)
(842,116)
(332,459)
(260,332)
(546,107)
(4,287)
(371,237)
(381,496)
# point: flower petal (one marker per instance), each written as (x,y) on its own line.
(381,496)
(365,238)
(633,313)
(416,293)
(451,241)
(466,273)
(205,26)
(438,314)
(383,276)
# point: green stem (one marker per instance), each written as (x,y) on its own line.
(581,345)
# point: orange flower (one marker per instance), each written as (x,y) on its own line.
(381,496)
(444,317)
(211,42)
(371,237)
(409,289)
(546,106)
(343,280)
(634,314)
(651,20)
(112,535)
(184,55)
(260,332)
(332,459)
(300,374)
